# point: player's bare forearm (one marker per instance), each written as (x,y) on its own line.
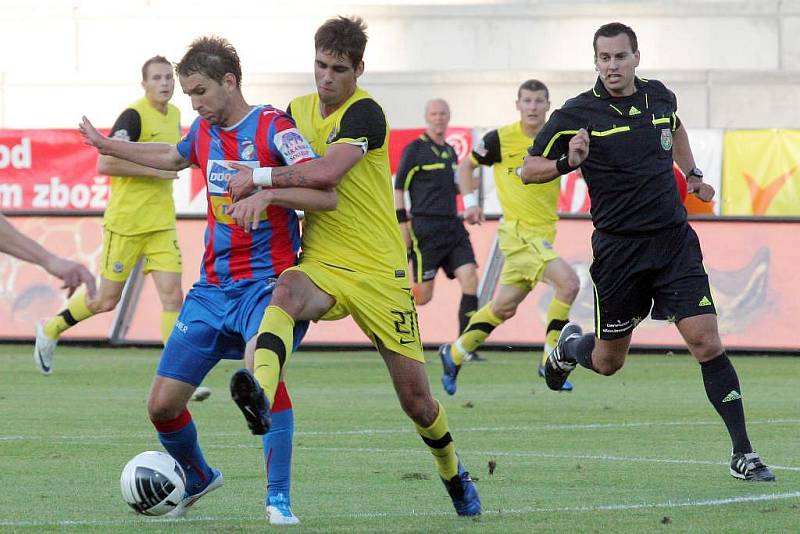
(13,242)
(682,150)
(399,199)
(321,173)
(304,199)
(112,166)
(539,170)
(157,155)
(466,182)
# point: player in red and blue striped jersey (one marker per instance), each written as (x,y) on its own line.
(221,314)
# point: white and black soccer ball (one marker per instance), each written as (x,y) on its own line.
(153,483)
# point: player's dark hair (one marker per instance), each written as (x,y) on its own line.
(533,85)
(151,61)
(343,36)
(612,29)
(213,57)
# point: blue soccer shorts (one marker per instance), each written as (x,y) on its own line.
(216,323)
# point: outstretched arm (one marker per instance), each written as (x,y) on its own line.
(111,166)
(13,242)
(156,155)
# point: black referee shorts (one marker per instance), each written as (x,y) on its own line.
(439,243)
(631,275)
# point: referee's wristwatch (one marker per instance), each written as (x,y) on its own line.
(697,173)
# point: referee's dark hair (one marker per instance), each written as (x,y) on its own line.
(612,29)
(533,85)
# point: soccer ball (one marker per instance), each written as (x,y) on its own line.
(153,483)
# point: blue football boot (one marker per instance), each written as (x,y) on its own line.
(463,492)
(450,369)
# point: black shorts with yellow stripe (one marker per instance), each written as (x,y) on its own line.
(439,242)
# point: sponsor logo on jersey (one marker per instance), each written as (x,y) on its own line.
(293,146)
(248,149)
(218,174)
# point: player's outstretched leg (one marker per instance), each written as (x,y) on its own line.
(278,460)
(250,398)
(560,364)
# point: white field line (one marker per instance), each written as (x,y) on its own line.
(378,514)
(534,454)
(406,429)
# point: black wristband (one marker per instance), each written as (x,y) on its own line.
(402,216)
(562,165)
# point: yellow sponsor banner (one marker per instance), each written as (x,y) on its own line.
(761,172)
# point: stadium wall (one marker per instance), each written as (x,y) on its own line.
(752,273)
(733,64)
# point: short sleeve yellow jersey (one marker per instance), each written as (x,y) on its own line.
(361,234)
(141,204)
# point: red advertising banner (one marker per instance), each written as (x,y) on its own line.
(46,170)
(53,170)
(752,274)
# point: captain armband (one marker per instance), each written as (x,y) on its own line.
(402,215)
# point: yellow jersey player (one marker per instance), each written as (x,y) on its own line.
(353,260)
(139,220)
(525,234)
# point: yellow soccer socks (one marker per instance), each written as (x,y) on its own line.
(478,329)
(273,347)
(557,318)
(76,311)
(437,438)
(168,319)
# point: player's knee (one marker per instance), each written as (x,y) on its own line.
(172,301)
(421,296)
(504,310)
(103,303)
(162,409)
(569,288)
(606,367)
(421,409)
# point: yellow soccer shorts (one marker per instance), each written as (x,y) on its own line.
(121,252)
(382,307)
(527,251)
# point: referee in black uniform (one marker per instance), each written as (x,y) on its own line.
(623,134)
(434,233)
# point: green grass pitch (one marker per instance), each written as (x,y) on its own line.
(642,451)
